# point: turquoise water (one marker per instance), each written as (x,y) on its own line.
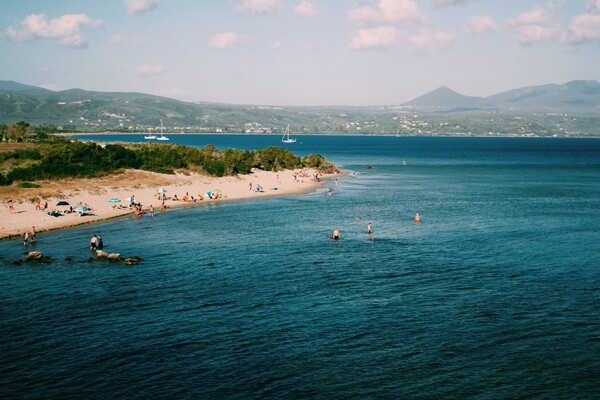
(495,294)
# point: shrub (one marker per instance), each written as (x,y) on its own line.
(28,185)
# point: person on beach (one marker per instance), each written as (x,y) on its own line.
(357,220)
(45,204)
(369,231)
(25,239)
(151,212)
(33,233)
(336,234)
(99,242)
(38,203)
(162,205)
(11,206)
(250,186)
(93,242)
(417,218)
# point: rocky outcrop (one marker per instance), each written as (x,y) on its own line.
(38,257)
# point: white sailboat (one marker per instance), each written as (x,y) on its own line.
(286,136)
(150,136)
(162,137)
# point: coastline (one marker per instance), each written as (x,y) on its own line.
(390,134)
(96,193)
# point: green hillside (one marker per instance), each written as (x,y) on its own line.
(572,109)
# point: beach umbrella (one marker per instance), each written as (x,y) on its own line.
(161,190)
(81,209)
(62,203)
(114,200)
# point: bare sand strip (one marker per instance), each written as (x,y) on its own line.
(96,193)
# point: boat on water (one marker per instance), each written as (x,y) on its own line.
(150,137)
(162,137)
(286,136)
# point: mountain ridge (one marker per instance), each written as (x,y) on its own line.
(581,94)
(82,110)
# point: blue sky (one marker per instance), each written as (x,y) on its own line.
(299,52)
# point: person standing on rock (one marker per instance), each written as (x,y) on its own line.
(93,242)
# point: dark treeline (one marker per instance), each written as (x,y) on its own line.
(56,158)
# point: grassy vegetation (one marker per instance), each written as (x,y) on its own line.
(56,158)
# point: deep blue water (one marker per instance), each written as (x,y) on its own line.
(495,294)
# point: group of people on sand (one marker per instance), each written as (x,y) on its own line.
(37,202)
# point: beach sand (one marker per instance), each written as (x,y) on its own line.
(97,192)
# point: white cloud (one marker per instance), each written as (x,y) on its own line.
(535,26)
(116,39)
(277,44)
(305,9)
(149,69)
(66,29)
(428,41)
(529,34)
(380,37)
(136,7)
(387,11)
(444,3)
(537,15)
(227,40)
(584,28)
(480,23)
(258,6)
(593,6)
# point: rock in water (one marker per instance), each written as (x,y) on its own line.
(101,254)
(131,260)
(114,257)
(35,256)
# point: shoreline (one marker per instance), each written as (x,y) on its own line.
(143,185)
(482,136)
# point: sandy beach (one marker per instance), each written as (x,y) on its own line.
(190,189)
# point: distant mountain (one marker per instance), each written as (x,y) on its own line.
(11,86)
(574,94)
(446,98)
(444,111)
(571,96)
(77,109)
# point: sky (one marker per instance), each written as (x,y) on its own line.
(298,52)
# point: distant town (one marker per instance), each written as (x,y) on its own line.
(569,110)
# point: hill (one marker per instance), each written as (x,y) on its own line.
(574,96)
(571,95)
(539,110)
(446,99)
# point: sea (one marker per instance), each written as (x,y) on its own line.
(494,294)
